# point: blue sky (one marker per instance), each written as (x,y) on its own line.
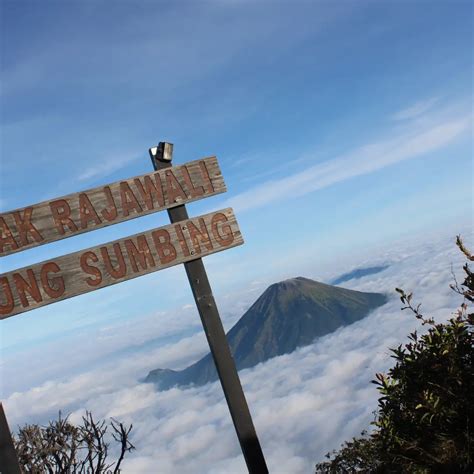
(339,126)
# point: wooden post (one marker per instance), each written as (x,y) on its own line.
(161,157)
(8,459)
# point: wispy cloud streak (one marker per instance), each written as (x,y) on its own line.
(107,166)
(365,160)
(416,109)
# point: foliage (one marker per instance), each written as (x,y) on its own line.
(61,447)
(425,411)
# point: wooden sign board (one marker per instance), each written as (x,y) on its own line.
(117,202)
(97,267)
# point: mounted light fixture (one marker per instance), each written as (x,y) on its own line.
(163,152)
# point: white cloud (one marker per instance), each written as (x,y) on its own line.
(364,160)
(107,166)
(171,338)
(416,109)
(304,404)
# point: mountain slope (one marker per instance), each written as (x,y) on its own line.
(288,314)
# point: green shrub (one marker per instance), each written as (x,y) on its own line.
(425,412)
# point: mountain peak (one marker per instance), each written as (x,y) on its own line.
(287,315)
(296,284)
(293,281)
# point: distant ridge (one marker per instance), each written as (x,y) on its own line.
(287,315)
(358,273)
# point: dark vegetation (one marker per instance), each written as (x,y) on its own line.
(63,448)
(424,421)
(288,315)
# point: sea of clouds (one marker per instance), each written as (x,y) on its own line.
(303,404)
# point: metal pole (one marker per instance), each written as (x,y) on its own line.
(8,459)
(161,157)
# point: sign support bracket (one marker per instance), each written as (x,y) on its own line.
(161,158)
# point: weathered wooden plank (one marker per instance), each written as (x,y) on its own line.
(76,213)
(114,262)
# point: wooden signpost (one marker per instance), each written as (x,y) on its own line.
(88,270)
(8,458)
(116,202)
(185,241)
